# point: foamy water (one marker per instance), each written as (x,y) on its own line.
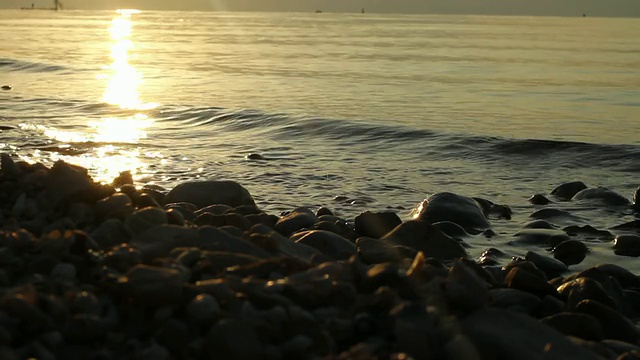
(381,109)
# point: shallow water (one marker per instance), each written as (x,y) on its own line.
(381,109)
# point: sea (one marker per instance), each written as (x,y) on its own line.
(354,112)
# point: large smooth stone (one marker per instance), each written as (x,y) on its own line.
(615,325)
(281,245)
(602,195)
(205,193)
(575,324)
(461,210)
(551,267)
(159,240)
(504,334)
(152,285)
(567,190)
(144,219)
(330,244)
(376,224)
(300,218)
(570,252)
(214,239)
(425,237)
(627,245)
(375,251)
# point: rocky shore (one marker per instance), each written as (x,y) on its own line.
(94,271)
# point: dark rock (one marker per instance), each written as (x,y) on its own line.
(464,288)
(298,219)
(539,199)
(538,224)
(506,298)
(570,252)
(323,211)
(205,193)
(159,240)
(636,200)
(233,339)
(462,210)
(503,334)
(558,215)
(550,266)
(575,324)
(376,224)
(627,245)
(424,237)
(588,232)
(330,244)
(214,239)
(568,190)
(123,178)
(416,333)
(530,279)
(152,285)
(582,288)
(451,229)
(144,219)
(602,195)
(614,324)
(542,237)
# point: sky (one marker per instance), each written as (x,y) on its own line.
(627,8)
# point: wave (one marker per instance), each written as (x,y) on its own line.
(30,66)
(380,136)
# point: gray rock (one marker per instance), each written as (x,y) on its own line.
(464,288)
(205,193)
(461,210)
(504,334)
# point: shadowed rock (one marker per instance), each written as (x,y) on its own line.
(575,324)
(330,244)
(298,219)
(376,224)
(205,193)
(602,195)
(614,324)
(566,191)
(425,237)
(504,334)
(462,210)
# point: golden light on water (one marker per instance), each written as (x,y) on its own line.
(107,145)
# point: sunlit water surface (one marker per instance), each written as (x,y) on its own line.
(382,110)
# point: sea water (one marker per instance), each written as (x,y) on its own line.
(350,111)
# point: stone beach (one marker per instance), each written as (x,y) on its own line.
(119,271)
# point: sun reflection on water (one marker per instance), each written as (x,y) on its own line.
(110,141)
